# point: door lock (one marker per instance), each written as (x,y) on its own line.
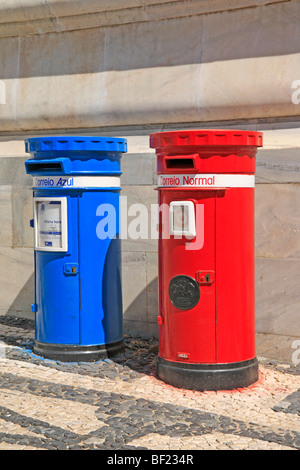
(205,277)
(71,269)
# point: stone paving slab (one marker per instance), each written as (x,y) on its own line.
(119,404)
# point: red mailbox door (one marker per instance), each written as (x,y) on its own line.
(187,284)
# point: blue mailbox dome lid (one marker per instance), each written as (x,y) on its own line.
(75,143)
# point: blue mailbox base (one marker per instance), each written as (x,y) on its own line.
(78,353)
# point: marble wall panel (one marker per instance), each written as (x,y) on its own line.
(278,165)
(6,231)
(142,329)
(277,296)
(152,287)
(58,75)
(16,281)
(12,172)
(277,221)
(22,213)
(140,294)
(9,82)
(141,205)
(219,66)
(134,286)
(138,169)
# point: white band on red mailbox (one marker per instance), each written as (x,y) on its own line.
(206,181)
(65,181)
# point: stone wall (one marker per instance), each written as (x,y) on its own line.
(182,63)
(128,68)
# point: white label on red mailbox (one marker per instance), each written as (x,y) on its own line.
(206,181)
(183,355)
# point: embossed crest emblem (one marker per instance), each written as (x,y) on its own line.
(184,292)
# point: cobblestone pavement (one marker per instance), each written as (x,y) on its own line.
(120,404)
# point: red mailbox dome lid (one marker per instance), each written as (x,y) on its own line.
(207,138)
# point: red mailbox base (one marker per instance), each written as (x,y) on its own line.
(203,377)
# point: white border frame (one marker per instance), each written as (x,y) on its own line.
(191,232)
(64,224)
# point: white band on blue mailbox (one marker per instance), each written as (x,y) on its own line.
(66,181)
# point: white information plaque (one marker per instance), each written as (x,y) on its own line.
(182,218)
(50,222)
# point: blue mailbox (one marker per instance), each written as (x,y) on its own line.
(78,297)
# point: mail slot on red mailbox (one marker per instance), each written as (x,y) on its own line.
(206,258)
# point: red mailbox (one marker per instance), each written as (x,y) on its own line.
(206,258)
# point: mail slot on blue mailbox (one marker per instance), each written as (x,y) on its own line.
(78,298)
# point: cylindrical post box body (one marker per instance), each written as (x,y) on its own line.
(206,258)
(78,298)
